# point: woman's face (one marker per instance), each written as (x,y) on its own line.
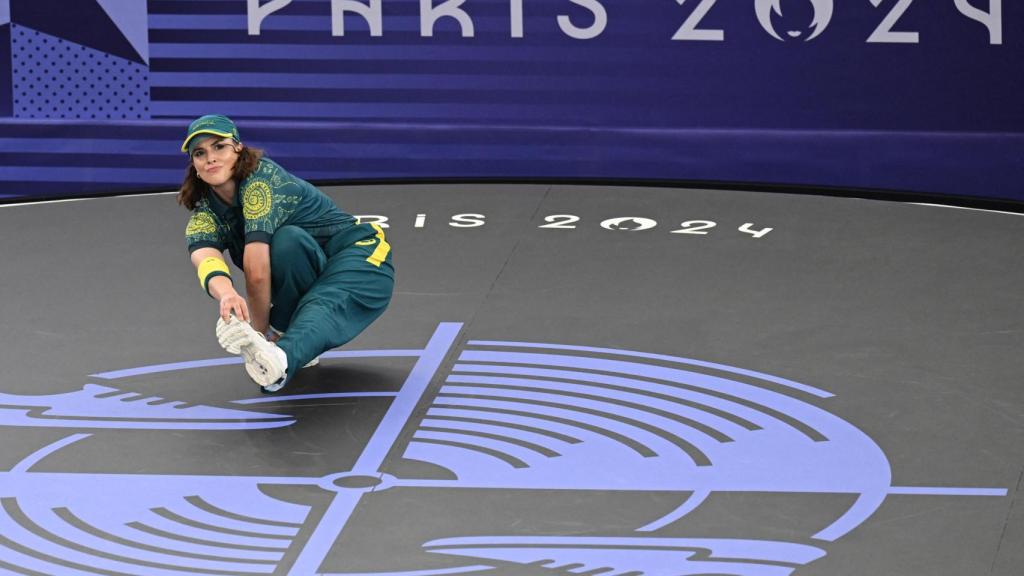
(214,160)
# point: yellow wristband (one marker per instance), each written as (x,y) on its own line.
(210,268)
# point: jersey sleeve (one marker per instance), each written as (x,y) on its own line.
(269,197)
(204,230)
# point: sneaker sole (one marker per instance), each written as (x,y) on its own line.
(260,368)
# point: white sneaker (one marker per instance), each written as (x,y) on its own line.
(230,345)
(265,363)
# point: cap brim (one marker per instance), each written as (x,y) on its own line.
(184,145)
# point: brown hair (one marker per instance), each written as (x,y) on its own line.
(193,187)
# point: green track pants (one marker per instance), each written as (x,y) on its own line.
(323,297)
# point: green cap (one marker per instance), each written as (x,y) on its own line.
(212,124)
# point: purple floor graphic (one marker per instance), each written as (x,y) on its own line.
(96,406)
(650,556)
(507,416)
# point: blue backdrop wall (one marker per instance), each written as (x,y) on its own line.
(903,95)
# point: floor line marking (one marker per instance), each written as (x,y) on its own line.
(376,450)
(156,368)
(966,208)
(35,457)
(943,491)
(63,200)
(270,399)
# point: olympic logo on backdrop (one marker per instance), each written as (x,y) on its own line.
(822,16)
(597,21)
(498,416)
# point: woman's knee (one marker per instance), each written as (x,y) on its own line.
(288,239)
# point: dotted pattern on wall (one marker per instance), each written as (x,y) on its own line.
(56,78)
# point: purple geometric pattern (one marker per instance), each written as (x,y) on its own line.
(6,100)
(159,525)
(130,17)
(639,426)
(511,415)
(96,406)
(169,525)
(584,420)
(631,104)
(82,22)
(56,78)
(649,556)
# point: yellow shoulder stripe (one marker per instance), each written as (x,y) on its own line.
(381,253)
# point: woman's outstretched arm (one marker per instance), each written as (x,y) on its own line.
(221,288)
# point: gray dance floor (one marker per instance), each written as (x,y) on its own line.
(570,380)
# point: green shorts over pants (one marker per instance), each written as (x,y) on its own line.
(323,297)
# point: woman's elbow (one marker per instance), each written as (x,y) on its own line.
(257,275)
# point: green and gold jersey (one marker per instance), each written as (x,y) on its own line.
(268,199)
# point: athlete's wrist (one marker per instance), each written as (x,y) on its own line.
(212,269)
(220,287)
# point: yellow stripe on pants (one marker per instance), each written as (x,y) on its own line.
(383,248)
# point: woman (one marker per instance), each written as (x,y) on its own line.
(314,276)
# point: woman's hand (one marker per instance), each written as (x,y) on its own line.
(233,303)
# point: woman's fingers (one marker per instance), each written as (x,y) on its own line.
(234,305)
(243,310)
